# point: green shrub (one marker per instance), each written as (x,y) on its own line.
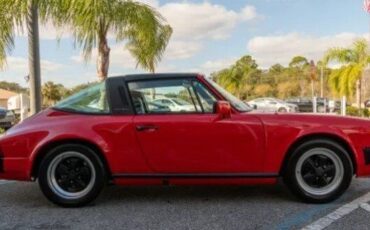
(353,111)
(2,130)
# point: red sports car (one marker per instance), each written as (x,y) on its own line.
(125,131)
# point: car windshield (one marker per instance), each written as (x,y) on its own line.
(90,100)
(235,102)
(280,101)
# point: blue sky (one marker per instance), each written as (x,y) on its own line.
(210,35)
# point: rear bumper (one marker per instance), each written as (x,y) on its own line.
(14,168)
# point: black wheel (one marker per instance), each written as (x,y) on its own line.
(319,171)
(71,175)
(282,110)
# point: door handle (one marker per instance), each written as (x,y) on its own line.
(141,128)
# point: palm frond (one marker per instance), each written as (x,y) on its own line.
(12,16)
(333,81)
(343,56)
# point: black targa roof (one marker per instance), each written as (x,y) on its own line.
(131,77)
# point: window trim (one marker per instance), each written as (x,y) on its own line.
(209,90)
(192,79)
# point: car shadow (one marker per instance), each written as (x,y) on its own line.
(264,193)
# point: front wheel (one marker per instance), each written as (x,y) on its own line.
(319,171)
(71,175)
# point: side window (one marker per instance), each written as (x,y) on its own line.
(90,100)
(207,99)
(163,96)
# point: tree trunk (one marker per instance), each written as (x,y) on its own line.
(358,93)
(34,57)
(103,59)
(312,88)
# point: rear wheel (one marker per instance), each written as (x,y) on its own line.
(282,110)
(71,175)
(319,171)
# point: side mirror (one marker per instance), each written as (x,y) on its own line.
(255,107)
(223,109)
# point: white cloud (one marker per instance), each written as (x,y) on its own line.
(17,68)
(189,20)
(214,65)
(249,13)
(122,61)
(193,24)
(152,3)
(204,20)
(20,65)
(269,50)
(218,64)
(119,56)
(182,49)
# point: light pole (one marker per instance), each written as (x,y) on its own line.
(313,77)
(322,81)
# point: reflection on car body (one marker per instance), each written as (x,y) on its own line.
(273,105)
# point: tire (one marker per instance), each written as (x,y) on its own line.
(318,171)
(71,175)
(282,110)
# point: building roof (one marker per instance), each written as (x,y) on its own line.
(5,94)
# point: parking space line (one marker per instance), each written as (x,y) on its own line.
(340,213)
(5,182)
(365,206)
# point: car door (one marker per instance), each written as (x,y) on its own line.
(271,105)
(195,141)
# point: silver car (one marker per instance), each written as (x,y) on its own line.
(273,105)
(8,121)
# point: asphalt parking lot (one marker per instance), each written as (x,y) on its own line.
(22,206)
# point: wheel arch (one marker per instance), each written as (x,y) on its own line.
(41,153)
(317,136)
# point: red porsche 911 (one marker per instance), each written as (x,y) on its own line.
(179,129)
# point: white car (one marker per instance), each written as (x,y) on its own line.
(175,104)
(7,119)
(273,105)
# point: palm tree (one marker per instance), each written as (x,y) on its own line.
(51,93)
(346,79)
(14,14)
(140,26)
(298,67)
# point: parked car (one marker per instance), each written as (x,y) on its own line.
(306,105)
(8,120)
(335,106)
(273,105)
(367,104)
(158,108)
(175,104)
(73,150)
